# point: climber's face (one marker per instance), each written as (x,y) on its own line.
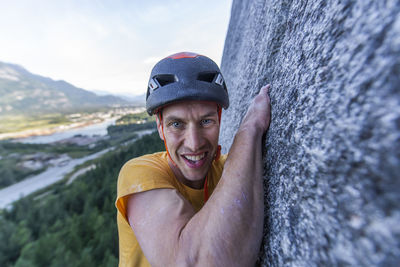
(191,131)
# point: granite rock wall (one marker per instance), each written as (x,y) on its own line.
(332,153)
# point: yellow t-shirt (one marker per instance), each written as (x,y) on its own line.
(151,172)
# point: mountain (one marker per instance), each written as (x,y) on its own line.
(140,99)
(22,92)
(135,99)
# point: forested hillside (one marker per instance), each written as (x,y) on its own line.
(70,225)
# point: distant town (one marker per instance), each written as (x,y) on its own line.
(76,120)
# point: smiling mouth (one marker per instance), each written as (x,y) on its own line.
(195,158)
(195,161)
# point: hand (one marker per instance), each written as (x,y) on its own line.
(259,112)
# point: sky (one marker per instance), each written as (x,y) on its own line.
(108,45)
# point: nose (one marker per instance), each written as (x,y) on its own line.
(194,139)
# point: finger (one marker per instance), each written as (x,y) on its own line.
(265,88)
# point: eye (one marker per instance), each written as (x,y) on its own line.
(176,124)
(206,122)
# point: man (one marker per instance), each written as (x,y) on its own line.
(189,206)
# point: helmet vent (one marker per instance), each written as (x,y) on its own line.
(165,79)
(219,80)
(207,76)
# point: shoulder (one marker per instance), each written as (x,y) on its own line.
(217,167)
(144,173)
(222,159)
(219,164)
(156,161)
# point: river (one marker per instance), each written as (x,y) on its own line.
(90,130)
(53,174)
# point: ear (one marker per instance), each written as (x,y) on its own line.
(159,128)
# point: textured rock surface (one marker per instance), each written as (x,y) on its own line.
(332,166)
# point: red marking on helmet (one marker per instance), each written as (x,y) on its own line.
(183,55)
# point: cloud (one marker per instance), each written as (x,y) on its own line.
(108,45)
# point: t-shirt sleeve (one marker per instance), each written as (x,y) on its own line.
(139,175)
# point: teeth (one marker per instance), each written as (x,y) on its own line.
(195,158)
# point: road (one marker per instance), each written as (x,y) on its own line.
(53,174)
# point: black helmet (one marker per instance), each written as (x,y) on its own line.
(185,76)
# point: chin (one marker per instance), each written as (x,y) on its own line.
(195,175)
(190,171)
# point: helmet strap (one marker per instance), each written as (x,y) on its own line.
(218,152)
(165,142)
(206,195)
(219,111)
(217,156)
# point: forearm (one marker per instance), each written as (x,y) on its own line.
(230,224)
(241,190)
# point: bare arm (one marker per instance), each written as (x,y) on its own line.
(227,231)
